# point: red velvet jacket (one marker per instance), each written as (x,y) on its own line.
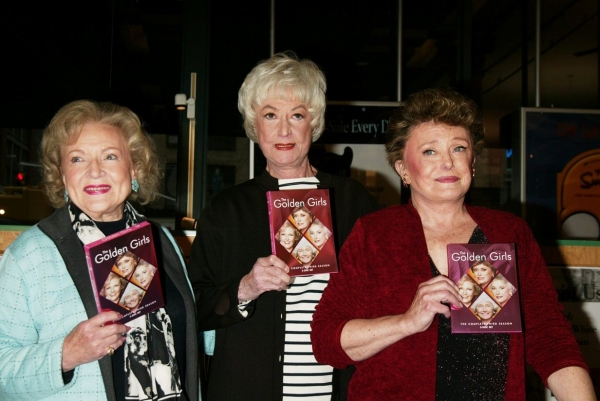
(383,261)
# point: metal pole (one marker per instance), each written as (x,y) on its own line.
(272,52)
(400,9)
(538,23)
(272,39)
(524,54)
(191,149)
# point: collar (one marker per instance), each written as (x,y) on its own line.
(269,183)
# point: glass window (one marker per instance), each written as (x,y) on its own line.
(355,45)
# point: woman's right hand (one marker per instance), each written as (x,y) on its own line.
(92,339)
(363,338)
(432,298)
(268,274)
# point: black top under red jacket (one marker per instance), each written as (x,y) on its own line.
(382,263)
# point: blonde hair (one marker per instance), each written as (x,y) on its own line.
(65,128)
(467,279)
(109,278)
(288,224)
(511,288)
(285,77)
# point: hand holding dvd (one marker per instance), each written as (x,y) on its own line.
(268,274)
(432,298)
(93,339)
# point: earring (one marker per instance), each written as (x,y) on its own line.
(473,172)
(135,186)
(66,194)
(404,183)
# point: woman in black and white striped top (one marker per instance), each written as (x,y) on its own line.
(261,317)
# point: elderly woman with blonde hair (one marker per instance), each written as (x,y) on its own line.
(244,292)
(54,344)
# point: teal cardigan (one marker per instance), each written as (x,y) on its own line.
(45,292)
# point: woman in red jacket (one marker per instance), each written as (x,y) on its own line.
(387,311)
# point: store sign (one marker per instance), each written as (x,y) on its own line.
(357,126)
(357,123)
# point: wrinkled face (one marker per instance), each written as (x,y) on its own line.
(485,310)
(287,237)
(437,163)
(483,274)
(466,290)
(112,289)
(305,254)
(318,234)
(284,133)
(302,219)
(132,299)
(97,172)
(143,274)
(500,290)
(126,265)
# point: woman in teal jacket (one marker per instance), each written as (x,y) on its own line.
(54,345)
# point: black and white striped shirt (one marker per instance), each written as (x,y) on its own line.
(303,376)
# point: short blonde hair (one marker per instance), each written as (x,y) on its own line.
(286,77)
(288,224)
(111,275)
(65,128)
(467,279)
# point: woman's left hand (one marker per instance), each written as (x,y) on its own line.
(93,339)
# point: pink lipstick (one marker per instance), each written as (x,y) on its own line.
(449,180)
(96,189)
